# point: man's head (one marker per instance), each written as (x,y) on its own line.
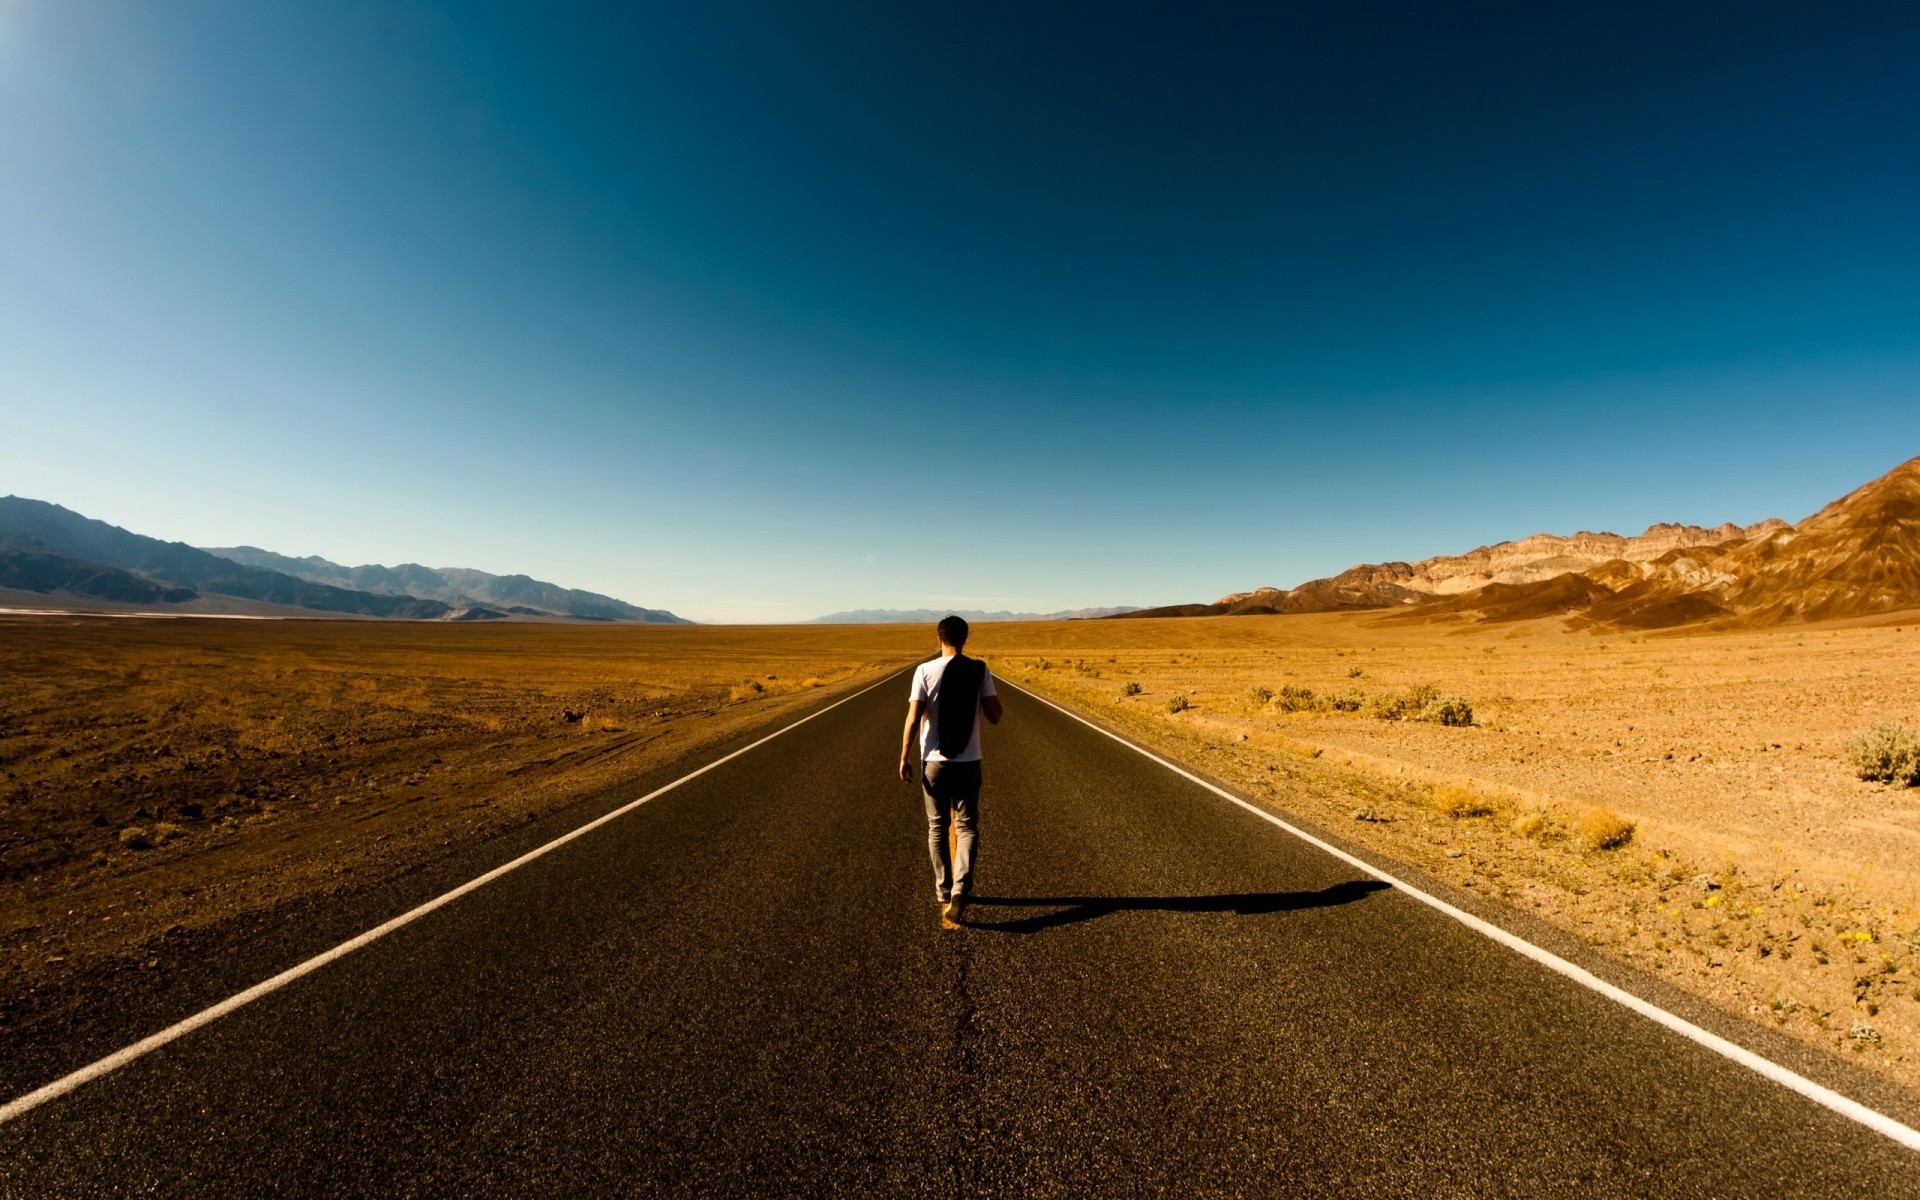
(952,631)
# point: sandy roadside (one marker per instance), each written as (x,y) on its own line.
(1759,874)
(170,783)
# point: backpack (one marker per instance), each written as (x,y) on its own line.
(959,703)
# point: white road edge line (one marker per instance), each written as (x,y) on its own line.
(1873,1119)
(207,1016)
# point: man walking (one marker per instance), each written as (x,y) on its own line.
(949,694)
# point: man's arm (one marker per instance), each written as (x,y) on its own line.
(906,739)
(990,709)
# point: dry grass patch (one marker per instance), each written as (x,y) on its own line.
(1458,802)
(1531,823)
(1603,829)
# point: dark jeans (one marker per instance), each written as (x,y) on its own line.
(952,793)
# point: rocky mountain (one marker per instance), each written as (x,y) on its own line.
(1858,556)
(459,587)
(176,565)
(913,616)
(30,565)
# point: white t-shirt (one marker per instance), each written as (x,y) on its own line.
(926,688)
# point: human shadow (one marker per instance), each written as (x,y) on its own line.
(1070,910)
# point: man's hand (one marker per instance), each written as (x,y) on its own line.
(914,708)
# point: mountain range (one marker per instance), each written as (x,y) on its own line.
(460,587)
(914,616)
(1858,556)
(51,551)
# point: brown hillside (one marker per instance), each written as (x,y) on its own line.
(1564,594)
(1533,562)
(1858,556)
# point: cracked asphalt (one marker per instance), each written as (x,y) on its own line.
(742,989)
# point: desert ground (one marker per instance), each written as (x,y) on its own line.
(167,777)
(1681,801)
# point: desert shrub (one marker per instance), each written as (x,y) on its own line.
(1043,665)
(1130,688)
(1260,695)
(1530,824)
(1459,802)
(1604,829)
(1347,701)
(1887,753)
(1293,698)
(1355,672)
(1447,710)
(1178,704)
(746,691)
(1386,706)
(165,832)
(133,837)
(1420,695)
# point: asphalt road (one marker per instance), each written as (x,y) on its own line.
(742,989)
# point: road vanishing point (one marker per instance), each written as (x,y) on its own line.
(741,988)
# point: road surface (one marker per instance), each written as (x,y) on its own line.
(742,989)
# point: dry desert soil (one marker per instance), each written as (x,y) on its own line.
(166,784)
(1680,801)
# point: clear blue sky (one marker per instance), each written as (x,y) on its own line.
(757,312)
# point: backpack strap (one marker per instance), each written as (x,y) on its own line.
(960,684)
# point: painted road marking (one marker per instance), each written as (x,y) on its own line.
(1873,1119)
(207,1016)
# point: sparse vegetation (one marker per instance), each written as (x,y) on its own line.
(1346,701)
(276,761)
(1178,704)
(1459,802)
(1416,704)
(1604,829)
(1886,753)
(1446,710)
(1293,698)
(1530,824)
(1386,706)
(1260,695)
(1728,887)
(1130,688)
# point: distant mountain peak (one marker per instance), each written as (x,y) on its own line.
(459,587)
(1858,556)
(52,550)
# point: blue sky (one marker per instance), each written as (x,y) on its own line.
(758,312)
